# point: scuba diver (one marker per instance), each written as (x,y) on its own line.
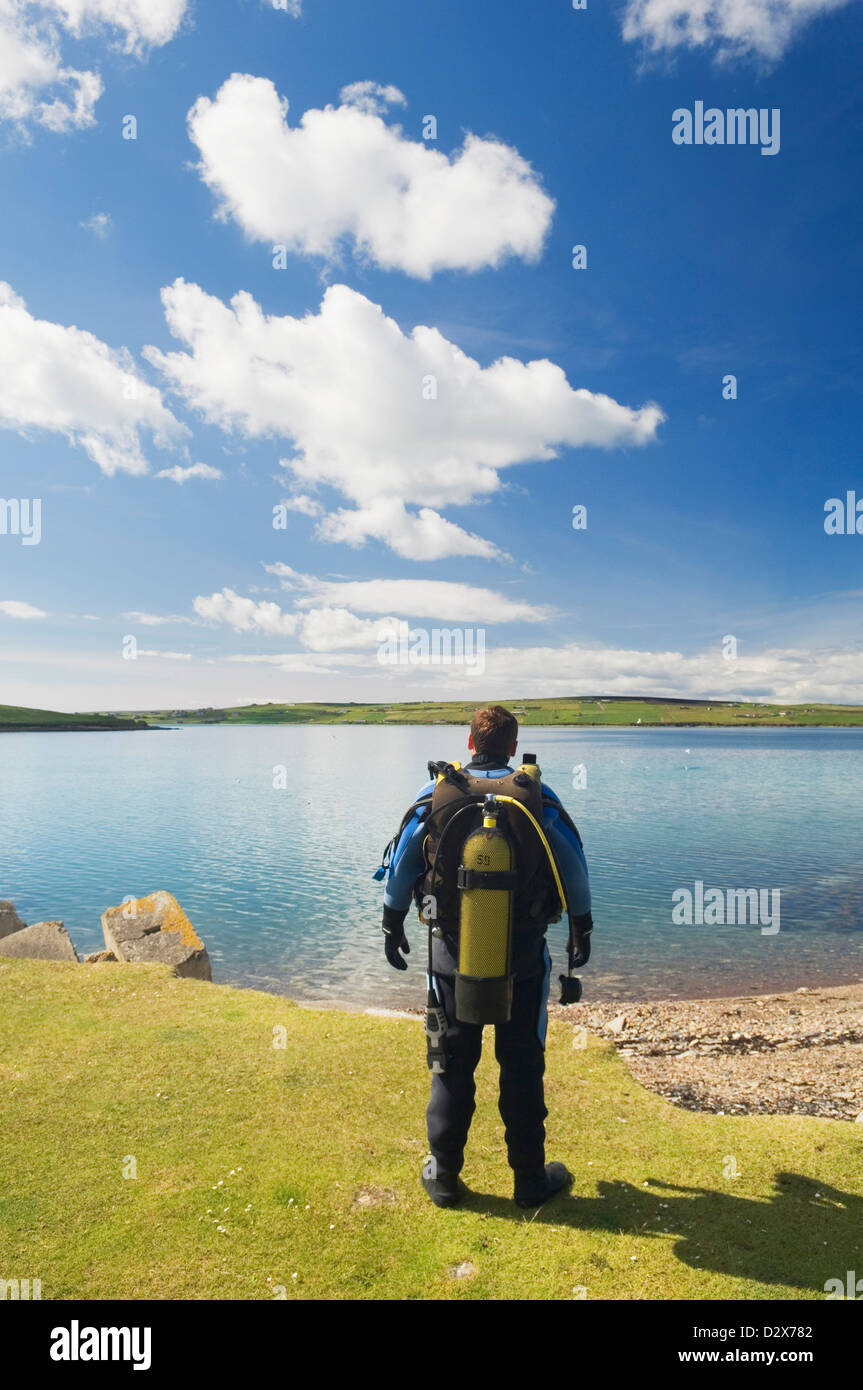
(490,858)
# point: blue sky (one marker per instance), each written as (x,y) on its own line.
(705,516)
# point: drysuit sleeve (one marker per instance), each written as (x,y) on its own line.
(569,854)
(406,863)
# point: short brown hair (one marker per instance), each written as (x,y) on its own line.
(495,731)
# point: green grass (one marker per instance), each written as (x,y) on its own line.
(100,1064)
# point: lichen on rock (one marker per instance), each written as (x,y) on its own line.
(155,929)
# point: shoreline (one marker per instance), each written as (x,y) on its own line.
(397,724)
(796,1052)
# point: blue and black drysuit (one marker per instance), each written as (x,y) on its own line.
(520,1043)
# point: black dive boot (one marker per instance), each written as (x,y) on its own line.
(443,1188)
(532,1189)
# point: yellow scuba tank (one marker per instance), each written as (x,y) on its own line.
(486,880)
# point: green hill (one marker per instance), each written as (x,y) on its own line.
(16,718)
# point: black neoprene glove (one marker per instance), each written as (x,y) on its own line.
(581,928)
(395,940)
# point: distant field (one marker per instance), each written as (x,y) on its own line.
(588,711)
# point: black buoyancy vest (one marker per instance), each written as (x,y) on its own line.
(455,811)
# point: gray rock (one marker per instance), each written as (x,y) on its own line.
(9,920)
(155,929)
(99,957)
(42,941)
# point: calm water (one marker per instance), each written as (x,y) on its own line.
(278,882)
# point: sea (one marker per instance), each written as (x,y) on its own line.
(269,837)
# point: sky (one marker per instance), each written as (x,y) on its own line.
(324,322)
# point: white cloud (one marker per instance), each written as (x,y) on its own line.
(774,673)
(87,679)
(343,174)
(301,502)
(347,386)
(325,629)
(35,83)
(371,97)
(734,28)
(65,380)
(305,664)
(243,614)
(424,535)
(336,629)
(15,609)
(292,7)
(441,599)
(166,656)
(196,470)
(796,675)
(324,621)
(155,620)
(101,224)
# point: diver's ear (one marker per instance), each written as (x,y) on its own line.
(470,746)
(512,750)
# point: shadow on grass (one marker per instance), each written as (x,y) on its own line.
(805,1234)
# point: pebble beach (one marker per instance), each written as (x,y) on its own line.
(798,1053)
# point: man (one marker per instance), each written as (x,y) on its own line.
(519,1043)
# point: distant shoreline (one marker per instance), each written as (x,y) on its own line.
(141,727)
(571,712)
(124,727)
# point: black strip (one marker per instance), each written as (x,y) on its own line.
(487,878)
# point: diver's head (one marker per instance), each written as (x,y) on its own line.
(494,733)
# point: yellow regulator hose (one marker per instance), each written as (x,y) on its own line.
(541,833)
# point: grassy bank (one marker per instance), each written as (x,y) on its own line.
(308,1155)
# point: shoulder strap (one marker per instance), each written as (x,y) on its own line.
(564,816)
(391,844)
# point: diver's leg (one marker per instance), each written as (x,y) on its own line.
(452,1104)
(520,1050)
